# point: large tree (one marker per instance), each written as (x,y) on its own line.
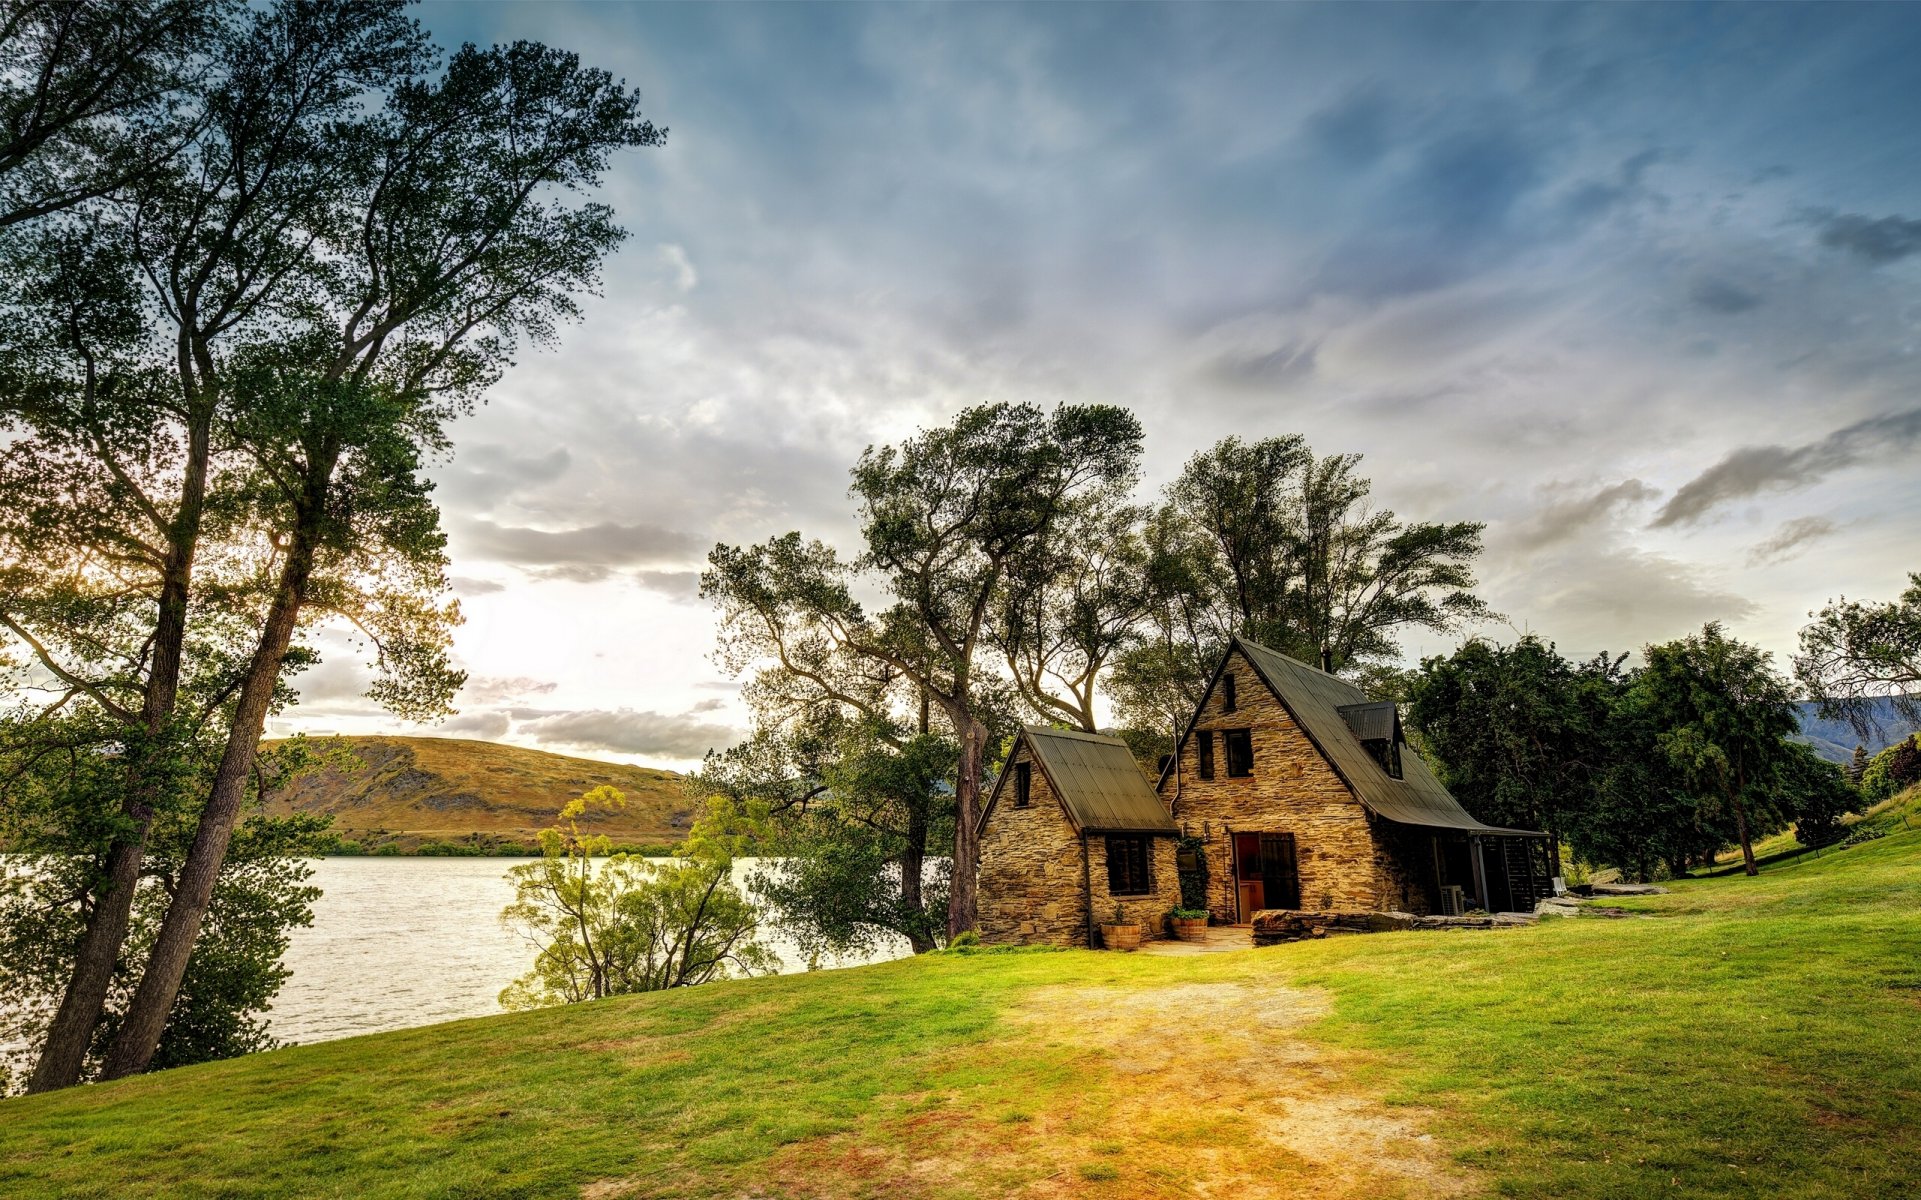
(1723,717)
(1855,654)
(1265,540)
(1507,728)
(946,517)
(463,241)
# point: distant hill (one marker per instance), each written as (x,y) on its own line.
(415,791)
(1836,740)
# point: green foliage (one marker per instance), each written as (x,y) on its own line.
(609,924)
(1193,879)
(1722,719)
(59,812)
(1855,653)
(1187,914)
(1817,794)
(1513,729)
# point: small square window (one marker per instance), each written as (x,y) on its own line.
(1204,749)
(1023,784)
(1239,744)
(1128,859)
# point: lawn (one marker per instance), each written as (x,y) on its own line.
(1739,1037)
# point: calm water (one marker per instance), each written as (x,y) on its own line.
(410,941)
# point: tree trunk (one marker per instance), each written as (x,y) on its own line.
(912,858)
(64,1054)
(963,911)
(1741,828)
(133,1047)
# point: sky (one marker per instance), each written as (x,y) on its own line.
(1637,286)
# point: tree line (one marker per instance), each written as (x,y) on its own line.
(253,260)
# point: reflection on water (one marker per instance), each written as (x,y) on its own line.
(409,941)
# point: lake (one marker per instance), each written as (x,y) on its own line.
(410,941)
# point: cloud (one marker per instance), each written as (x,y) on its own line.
(627,731)
(466,585)
(1879,240)
(678,585)
(675,256)
(1791,539)
(583,554)
(491,726)
(1591,599)
(1720,296)
(1752,470)
(1565,519)
(492,689)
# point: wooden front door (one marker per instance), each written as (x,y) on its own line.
(1266,872)
(1248,883)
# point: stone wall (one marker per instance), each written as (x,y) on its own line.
(1348,858)
(1031,889)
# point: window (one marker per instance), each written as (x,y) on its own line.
(1227,692)
(1127,866)
(1387,753)
(1239,744)
(1204,747)
(1023,784)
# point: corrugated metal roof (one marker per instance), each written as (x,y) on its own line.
(1316,699)
(1098,782)
(1370,722)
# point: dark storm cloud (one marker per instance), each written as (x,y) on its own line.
(1753,470)
(1791,539)
(627,731)
(583,554)
(1878,240)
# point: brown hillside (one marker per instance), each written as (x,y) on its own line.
(410,790)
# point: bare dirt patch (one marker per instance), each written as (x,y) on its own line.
(1214,1086)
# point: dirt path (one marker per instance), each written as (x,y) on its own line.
(1189,1090)
(1218,1092)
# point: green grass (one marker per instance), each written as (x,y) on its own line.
(1745,1037)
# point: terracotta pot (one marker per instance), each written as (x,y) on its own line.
(1121,937)
(1190,929)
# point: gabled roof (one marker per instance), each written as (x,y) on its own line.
(1316,699)
(1098,782)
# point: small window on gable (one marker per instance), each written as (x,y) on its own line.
(1239,744)
(1023,784)
(1127,866)
(1204,750)
(1227,692)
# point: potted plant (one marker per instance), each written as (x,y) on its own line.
(1189,924)
(1121,934)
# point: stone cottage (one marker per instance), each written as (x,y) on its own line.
(1292,790)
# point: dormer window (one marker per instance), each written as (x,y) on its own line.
(1378,728)
(1227,692)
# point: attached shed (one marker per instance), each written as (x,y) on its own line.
(1071,832)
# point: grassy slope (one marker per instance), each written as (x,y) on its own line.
(1752,1038)
(410,790)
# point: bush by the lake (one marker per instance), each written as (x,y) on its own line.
(605,924)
